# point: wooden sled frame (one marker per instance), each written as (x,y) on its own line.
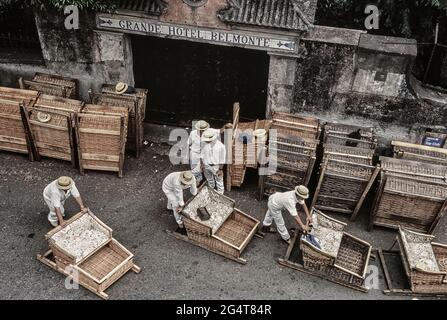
(299,267)
(390,290)
(362,198)
(71,132)
(240,248)
(45,259)
(122,136)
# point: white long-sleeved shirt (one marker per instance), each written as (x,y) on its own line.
(285,201)
(214,153)
(57,196)
(194,143)
(172,184)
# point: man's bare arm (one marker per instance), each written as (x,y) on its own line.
(80,203)
(59,215)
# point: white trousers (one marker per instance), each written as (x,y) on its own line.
(196,168)
(52,216)
(276,216)
(213,179)
(173,204)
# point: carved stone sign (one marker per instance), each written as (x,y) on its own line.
(150,27)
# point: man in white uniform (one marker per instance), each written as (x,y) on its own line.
(173,186)
(213,158)
(55,195)
(194,143)
(286,201)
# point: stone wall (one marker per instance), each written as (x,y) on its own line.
(93,57)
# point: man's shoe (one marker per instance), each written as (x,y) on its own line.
(267,229)
(181,231)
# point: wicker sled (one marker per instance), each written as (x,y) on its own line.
(52,85)
(99,265)
(343,186)
(342,258)
(410,194)
(292,152)
(336,133)
(409,151)
(14,131)
(227,233)
(244,155)
(425,262)
(101,135)
(51,120)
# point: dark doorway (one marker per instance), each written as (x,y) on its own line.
(189,80)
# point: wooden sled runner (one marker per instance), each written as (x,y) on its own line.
(424,264)
(344,262)
(99,264)
(227,233)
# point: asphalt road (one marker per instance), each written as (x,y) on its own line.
(134,207)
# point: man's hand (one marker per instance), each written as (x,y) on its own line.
(179,209)
(220,173)
(305,228)
(84,209)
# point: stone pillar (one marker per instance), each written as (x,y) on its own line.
(281,84)
(114,51)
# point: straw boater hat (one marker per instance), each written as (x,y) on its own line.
(187,178)
(202,125)
(209,135)
(121,87)
(64,183)
(302,192)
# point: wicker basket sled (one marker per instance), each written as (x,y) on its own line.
(245,154)
(410,194)
(343,186)
(101,135)
(338,134)
(51,120)
(424,263)
(293,143)
(14,136)
(341,258)
(98,264)
(227,233)
(409,151)
(52,85)
(136,104)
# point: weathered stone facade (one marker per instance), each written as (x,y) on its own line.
(335,74)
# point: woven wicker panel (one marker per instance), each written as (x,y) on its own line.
(286,177)
(294,131)
(415,187)
(409,212)
(141,94)
(234,232)
(350,154)
(134,129)
(53,79)
(324,203)
(60,104)
(341,140)
(441,257)
(12,133)
(427,172)
(342,187)
(98,144)
(18,95)
(296,119)
(353,255)
(104,261)
(368,133)
(419,151)
(350,170)
(237,175)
